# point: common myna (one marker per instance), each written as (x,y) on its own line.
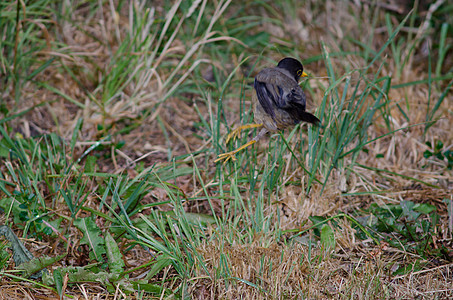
(278,102)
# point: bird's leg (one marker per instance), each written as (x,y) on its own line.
(234,134)
(230,155)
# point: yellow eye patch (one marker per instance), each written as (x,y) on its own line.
(301,73)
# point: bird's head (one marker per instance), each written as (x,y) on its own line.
(293,66)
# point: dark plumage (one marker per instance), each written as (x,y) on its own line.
(278,101)
(281,101)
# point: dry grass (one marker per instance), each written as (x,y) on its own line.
(167,94)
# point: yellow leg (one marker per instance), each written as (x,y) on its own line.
(235,133)
(230,155)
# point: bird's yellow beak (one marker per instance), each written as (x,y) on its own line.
(304,74)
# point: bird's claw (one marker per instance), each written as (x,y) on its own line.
(233,134)
(226,157)
(236,132)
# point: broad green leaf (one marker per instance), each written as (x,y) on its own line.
(91,236)
(327,238)
(38,263)
(114,256)
(193,217)
(90,164)
(161,262)
(424,208)
(124,285)
(154,289)
(20,253)
(58,279)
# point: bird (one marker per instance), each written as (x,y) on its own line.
(278,103)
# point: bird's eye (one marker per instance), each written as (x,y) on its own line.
(299,72)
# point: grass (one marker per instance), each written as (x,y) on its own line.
(113,114)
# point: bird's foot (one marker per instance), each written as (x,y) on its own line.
(226,157)
(230,155)
(236,132)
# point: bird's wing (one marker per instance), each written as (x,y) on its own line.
(267,96)
(275,88)
(295,106)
